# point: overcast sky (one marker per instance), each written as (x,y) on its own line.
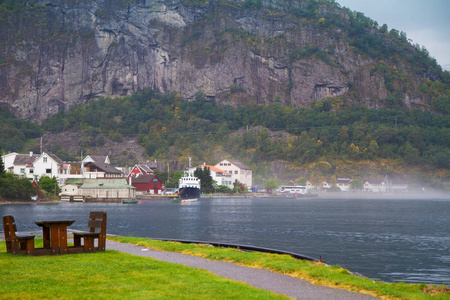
(426,22)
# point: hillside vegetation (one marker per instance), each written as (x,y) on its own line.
(173,129)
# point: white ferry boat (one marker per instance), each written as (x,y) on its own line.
(189,188)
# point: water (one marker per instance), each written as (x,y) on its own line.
(389,240)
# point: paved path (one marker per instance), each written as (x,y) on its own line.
(263,279)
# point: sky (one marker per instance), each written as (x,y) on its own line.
(425,22)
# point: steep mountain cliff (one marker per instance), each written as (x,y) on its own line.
(60,53)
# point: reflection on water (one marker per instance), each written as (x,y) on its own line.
(390,240)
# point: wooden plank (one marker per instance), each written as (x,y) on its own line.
(96,214)
(95,224)
(54,239)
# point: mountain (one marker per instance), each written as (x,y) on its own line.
(61,53)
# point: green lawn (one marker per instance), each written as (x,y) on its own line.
(113,275)
(314,272)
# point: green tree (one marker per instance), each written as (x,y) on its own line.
(2,166)
(13,187)
(356,184)
(301,181)
(49,185)
(271,184)
(373,149)
(410,154)
(206,181)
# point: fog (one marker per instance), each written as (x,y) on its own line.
(411,195)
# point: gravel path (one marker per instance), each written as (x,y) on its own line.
(263,279)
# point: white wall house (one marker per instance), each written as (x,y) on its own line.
(343,184)
(97,158)
(375,185)
(220,176)
(48,165)
(23,165)
(238,171)
(8,160)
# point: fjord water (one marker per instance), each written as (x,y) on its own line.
(389,240)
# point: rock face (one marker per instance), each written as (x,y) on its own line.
(60,53)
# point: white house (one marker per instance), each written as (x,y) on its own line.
(238,171)
(100,170)
(220,176)
(48,165)
(375,185)
(343,184)
(8,160)
(398,185)
(23,164)
(97,158)
(100,189)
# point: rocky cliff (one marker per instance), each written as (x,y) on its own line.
(60,53)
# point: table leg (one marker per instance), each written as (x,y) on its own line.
(63,239)
(54,239)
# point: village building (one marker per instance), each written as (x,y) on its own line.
(343,184)
(398,185)
(221,177)
(238,171)
(376,185)
(98,190)
(22,164)
(147,184)
(96,158)
(140,169)
(100,170)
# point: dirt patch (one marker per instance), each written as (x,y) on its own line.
(437,290)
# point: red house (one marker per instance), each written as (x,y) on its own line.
(140,170)
(148,183)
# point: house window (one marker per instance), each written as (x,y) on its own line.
(45,159)
(22,171)
(31,171)
(236,172)
(48,171)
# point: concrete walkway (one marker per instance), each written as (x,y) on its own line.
(263,279)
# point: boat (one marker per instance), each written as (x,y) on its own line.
(188,188)
(129,201)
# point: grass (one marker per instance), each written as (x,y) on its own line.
(113,275)
(317,273)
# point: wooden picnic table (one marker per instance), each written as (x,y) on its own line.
(55,235)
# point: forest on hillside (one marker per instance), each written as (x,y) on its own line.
(171,128)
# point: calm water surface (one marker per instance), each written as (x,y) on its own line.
(389,240)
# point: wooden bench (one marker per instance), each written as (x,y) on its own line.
(97,230)
(16,243)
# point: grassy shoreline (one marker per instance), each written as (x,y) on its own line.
(314,272)
(114,275)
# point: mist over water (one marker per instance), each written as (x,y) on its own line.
(383,239)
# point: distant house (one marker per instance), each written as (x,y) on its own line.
(398,185)
(22,164)
(47,165)
(148,183)
(140,169)
(343,184)
(97,158)
(376,185)
(8,160)
(238,171)
(99,189)
(101,170)
(220,176)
